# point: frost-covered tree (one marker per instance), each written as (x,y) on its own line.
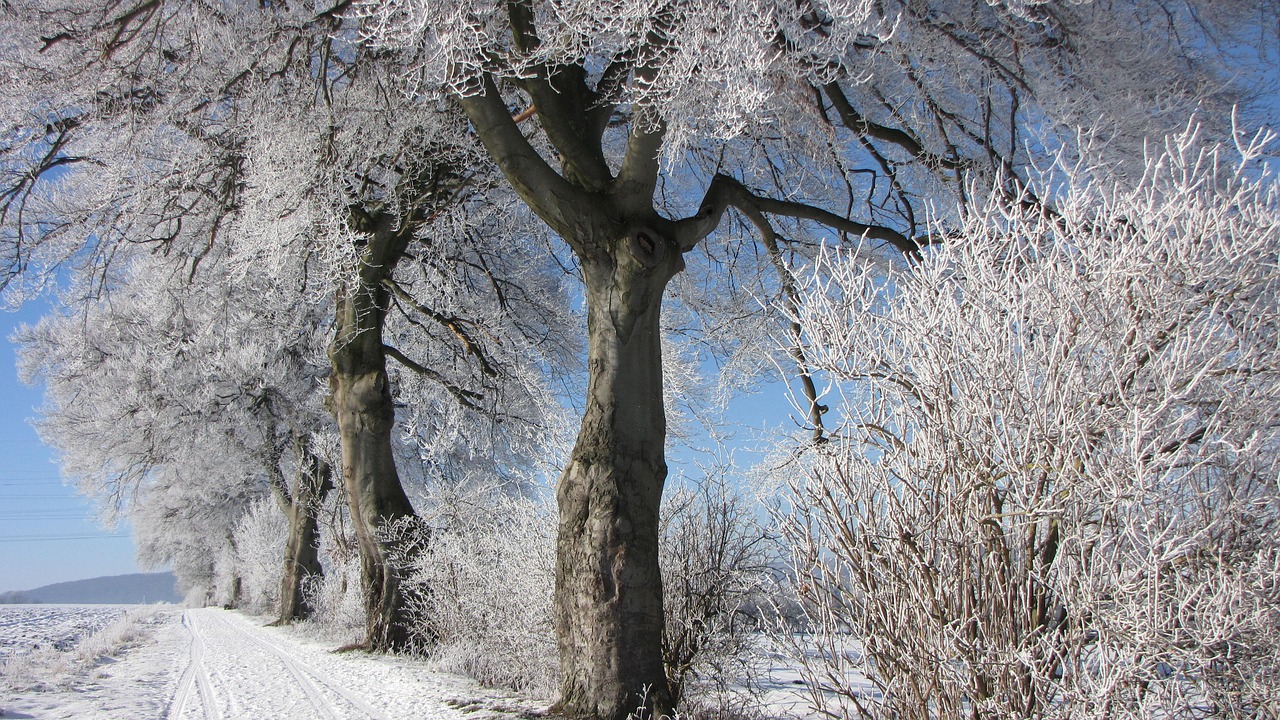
(631,128)
(1052,490)
(184,128)
(161,378)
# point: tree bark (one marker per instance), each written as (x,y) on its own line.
(301,554)
(608,599)
(362,404)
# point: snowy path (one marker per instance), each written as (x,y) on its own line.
(237,669)
(211,664)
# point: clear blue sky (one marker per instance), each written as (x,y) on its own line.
(48,533)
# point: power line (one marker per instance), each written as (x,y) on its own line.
(46,514)
(51,538)
(74,497)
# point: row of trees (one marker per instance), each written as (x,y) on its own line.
(225,188)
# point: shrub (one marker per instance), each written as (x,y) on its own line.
(481,589)
(259,540)
(335,596)
(717,571)
(1054,492)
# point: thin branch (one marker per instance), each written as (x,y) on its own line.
(453,324)
(466,397)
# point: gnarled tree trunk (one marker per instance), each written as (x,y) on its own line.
(362,404)
(608,600)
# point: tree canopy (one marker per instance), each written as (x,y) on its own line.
(433,174)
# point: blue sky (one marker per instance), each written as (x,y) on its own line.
(47,532)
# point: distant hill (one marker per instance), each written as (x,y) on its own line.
(115,589)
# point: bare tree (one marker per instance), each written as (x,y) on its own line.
(1052,491)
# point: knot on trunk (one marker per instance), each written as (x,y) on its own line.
(647,247)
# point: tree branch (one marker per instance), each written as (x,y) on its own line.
(725,192)
(638,175)
(855,122)
(563,101)
(466,397)
(453,324)
(552,197)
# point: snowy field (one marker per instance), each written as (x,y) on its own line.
(28,628)
(161,662)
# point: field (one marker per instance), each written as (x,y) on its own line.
(29,628)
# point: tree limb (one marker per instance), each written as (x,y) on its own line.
(553,198)
(855,122)
(563,100)
(638,175)
(453,324)
(725,192)
(466,397)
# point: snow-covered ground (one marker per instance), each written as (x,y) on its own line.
(26,628)
(161,662)
(211,663)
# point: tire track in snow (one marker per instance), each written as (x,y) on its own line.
(309,679)
(194,677)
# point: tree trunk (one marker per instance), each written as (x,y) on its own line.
(301,554)
(608,599)
(361,402)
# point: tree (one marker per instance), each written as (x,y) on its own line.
(266,128)
(161,379)
(632,108)
(1052,491)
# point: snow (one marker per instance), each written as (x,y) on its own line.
(25,628)
(211,663)
(163,662)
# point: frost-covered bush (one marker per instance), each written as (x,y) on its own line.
(259,540)
(481,590)
(717,562)
(1053,491)
(335,596)
(481,586)
(224,586)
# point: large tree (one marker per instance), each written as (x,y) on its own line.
(183,128)
(643,121)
